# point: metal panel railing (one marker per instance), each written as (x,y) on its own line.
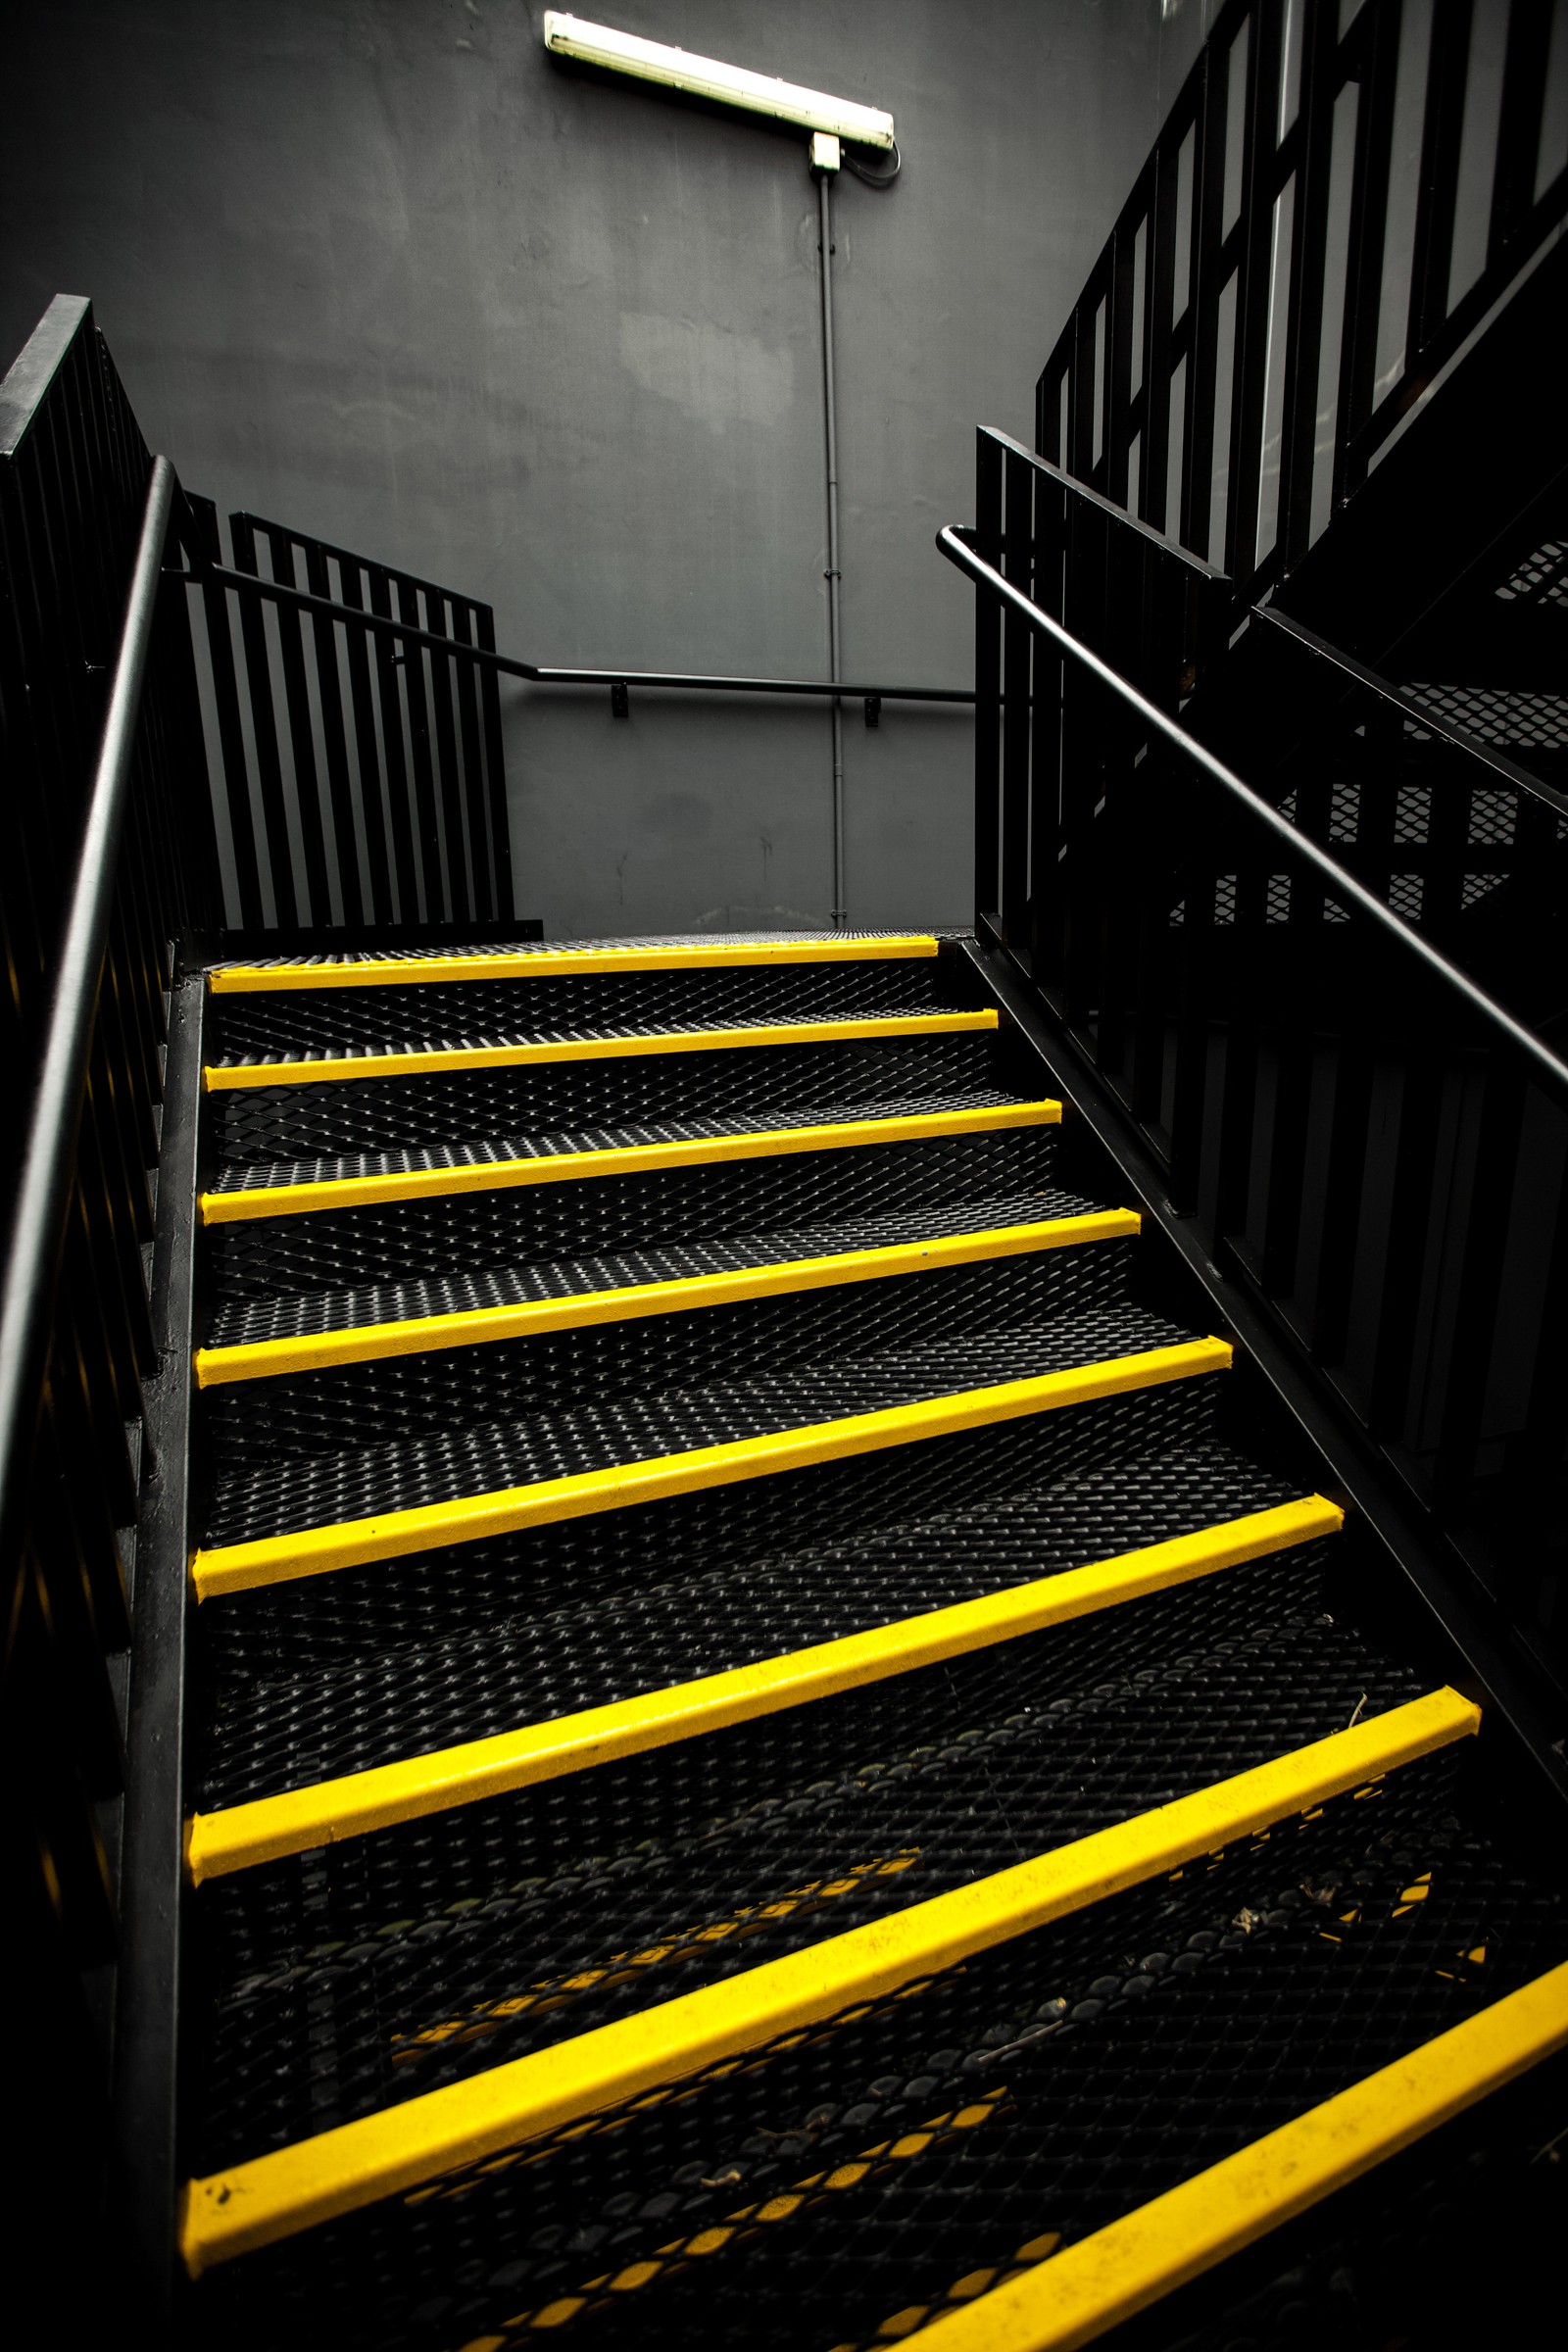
(1336,198)
(1364,1137)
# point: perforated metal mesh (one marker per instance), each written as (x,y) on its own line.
(324,1718)
(1027,1755)
(369,1114)
(1515,721)
(842,2186)
(818,2195)
(391,1020)
(258,1422)
(246,1321)
(337,1249)
(484,1458)
(356,1612)
(486,1152)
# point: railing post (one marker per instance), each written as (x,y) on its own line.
(987,689)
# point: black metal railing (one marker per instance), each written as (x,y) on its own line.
(1338,197)
(364,775)
(355,723)
(1360,1133)
(108,853)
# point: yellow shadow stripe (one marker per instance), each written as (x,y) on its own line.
(352,1542)
(338,2172)
(1124,2268)
(555,963)
(422,1335)
(221,1078)
(264,1831)
(631,1160)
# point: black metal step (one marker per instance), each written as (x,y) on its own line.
(396,1020)
(413,1111)
(295,1314)
(412,1473)
(321,1718)
(1013,1754)
(411,1602)
(331,1250)
(255,1423)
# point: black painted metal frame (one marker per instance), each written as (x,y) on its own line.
(1300,257)
(1360,1138)
(389,700)
(108,854)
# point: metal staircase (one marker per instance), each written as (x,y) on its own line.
(825,1639)
(762,1711)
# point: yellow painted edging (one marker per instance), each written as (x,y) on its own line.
(554,963)
(1122,2269)
(312,1551)
(221,1078)
(422,1335)
(243,1836)
(634,1159)
(277,2196)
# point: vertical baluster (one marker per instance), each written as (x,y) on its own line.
(329,698)
(217,610)
(987,688)
(1018,653)
(1519,120)
(1206,279)
(495,766)
(278,858)
(422,768)
(1438,188)
(393,746)
(1369,209)
(1253,298)
(1304,345)
(379,906)
(297,704)
(450,783)
(467,685)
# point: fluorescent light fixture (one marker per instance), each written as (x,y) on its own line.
(706,78)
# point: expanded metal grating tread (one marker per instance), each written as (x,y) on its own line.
(374,1113)
(334,1250)
(324,1491)
(486,1152)
(535,1965)
(350,1717)
(840,2186)
(422,1598)
(254,1423)
(245,1322)
(399,1019)
(1096,2063)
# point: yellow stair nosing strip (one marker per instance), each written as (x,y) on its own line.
(1091,2286)
(420,1335)
(219,1077)
(631,1160)
(267,1829)
(544,963)
(392,1535)
(358,2163)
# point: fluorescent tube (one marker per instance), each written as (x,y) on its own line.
(706,78)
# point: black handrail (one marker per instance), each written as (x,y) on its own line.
(1342,884)
(541,674)
(45,1191)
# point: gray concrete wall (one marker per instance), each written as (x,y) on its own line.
(378,268)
